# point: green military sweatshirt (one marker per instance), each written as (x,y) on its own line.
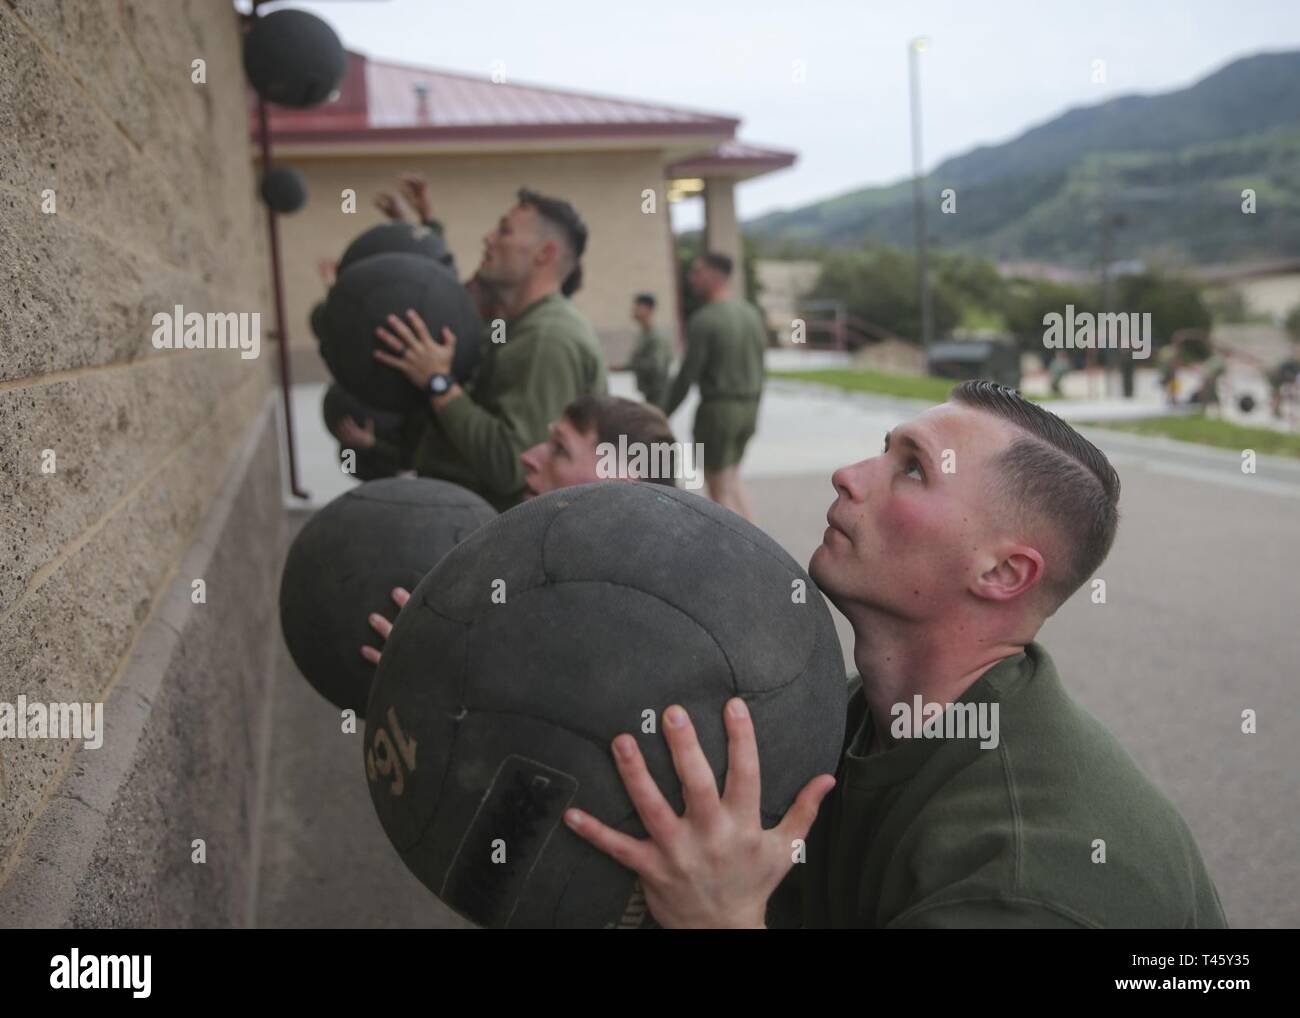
(550,356)
(941,833)
(650,362)
(725,341)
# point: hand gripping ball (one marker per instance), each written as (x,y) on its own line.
(565,621)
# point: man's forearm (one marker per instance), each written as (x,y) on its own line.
(485,441)
(680,387)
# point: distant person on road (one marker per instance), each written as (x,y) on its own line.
(1282,379)
(1059,368)
(652,358)
(1212,373)
(725,341)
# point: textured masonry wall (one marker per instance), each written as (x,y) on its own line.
(156,206)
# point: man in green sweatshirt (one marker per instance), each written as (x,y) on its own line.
(972,790)
(540,357)
(725,340)
(653,355)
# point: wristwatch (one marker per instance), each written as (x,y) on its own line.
(439,384)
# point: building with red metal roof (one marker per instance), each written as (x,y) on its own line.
(621,162)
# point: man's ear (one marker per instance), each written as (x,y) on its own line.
(1017,571)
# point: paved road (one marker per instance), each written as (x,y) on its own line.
(1200,623)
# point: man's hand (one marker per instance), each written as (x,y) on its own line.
(354,436)
(387,203)
(382,626)
(418,355)
(415,189)
(715,866)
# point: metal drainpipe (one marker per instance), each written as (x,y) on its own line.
(272,221)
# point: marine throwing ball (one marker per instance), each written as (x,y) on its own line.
(360,301)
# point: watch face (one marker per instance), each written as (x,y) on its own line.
(440,384)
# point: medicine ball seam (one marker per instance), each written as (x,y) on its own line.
(749,695)
(695,503)
(455,732)
(600,743)
(503,820)
(484,613)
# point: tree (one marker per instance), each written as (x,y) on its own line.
(1173,302)
(1029,301)
(880,286)
(1293,324)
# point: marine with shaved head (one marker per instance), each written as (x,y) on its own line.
(946,553)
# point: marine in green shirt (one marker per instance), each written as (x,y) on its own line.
(1047,823)
(725,341)
(548,356)
(652,357)
(946,553)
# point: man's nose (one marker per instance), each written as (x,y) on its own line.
(851,481)
(531,458)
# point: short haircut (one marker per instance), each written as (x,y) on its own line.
(648,299)
(565,219)
(1056,475)
(612,416)
(717,260)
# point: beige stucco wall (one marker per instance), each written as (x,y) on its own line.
(1272,295)
(722,226)
(627,251)
(154,206)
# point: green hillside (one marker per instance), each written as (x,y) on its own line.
(1173,166)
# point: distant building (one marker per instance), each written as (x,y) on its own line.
(1268,288)
(783,285)
(478,142)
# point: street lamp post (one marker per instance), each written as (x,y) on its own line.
(914,49)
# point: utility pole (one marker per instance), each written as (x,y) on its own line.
(1110,222)
(914,49)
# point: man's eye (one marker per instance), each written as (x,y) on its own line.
(914,468)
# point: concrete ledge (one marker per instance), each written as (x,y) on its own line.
(184,740)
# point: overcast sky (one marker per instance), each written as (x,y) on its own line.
(993,67)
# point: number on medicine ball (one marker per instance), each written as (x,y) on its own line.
(381,760)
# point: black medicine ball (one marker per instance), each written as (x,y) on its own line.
(339,403)
(548,632)
(367,464)
(363,297)
(293,58)
(1246,403)
(284,189)
(391,238)
(318,318)
(345,562)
